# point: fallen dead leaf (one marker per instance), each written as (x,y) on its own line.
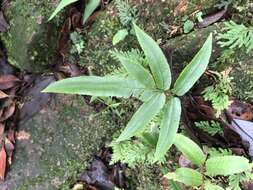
(97,175)
(3,159)
(2,127)
(181,7)
(9,147)
(8,81)
(173,30)
(3,95)
(71,70)
(23,135)
(208,20)
(8,112)
(11,135)
(240,110)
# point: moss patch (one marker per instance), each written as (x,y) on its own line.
(63,138)
(31,41)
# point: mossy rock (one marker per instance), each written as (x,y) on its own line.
(57,144)
(31,40)
(156,19)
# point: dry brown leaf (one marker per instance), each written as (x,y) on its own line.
(11,135)
(240,110)
(173,30)
(1,112)
(3,159)
(8,112)
(1,129)
(9,146)
(8,81)
(208,20)
(3,95)
(181,7)
(1,132)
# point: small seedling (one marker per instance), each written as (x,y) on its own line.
(150,83)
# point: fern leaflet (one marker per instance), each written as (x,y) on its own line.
(236,35)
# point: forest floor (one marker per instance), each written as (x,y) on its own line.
(56,141)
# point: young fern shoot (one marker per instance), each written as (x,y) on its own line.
(149,83)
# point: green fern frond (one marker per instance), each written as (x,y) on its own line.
(236,35)
(132,153)
(142,149)
(218,94)
(126,12)
(223,4)
(119,72)
(214,152)
(135,55)
(236,179)
(211,128)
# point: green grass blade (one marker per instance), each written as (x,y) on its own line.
(61,6)
(169,127)
(157,61)
(193,71)
(143,116)
(96,86)
(90,8)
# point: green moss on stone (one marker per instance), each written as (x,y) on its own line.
(64,138)
(31,41)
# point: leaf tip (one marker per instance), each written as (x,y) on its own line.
(46,90)
(120,139)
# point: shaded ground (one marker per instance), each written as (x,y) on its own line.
(58,142)
(55,144)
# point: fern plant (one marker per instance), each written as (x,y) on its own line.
(219,92)
(236,36)
(151,85)
(214,152)
(136,152)
(236,179)
(235,168)
(127,14)
(212,127)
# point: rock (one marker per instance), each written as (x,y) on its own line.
(156,21)
(57,143)
(186,46)
(31,40)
